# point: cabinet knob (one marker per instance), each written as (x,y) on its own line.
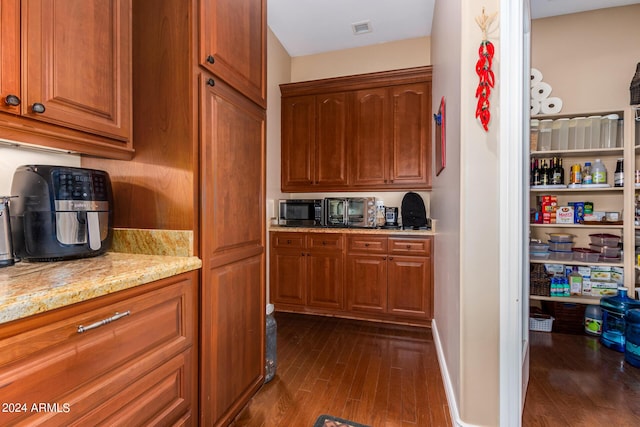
(384,258)
(408,246)
(366,245)
(390,258)
(324,243)
(38,108)
(211,82)
(210,59)
(12,100)
(288,242)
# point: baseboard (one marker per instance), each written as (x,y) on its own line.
(454,412)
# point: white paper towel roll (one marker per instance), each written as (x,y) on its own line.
(540,91)
(551,105)
(536,76)
(535,107)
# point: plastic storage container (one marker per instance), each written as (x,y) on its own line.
(560,134)
(585,255)
(614,310)
(604,239)
(632,338)
(538,247)
(544,135)
(561,237)
(576,139)
(560,246)
(594,132)
(561,255)
(608,131)
(593,320)
(533,138)
(271,357)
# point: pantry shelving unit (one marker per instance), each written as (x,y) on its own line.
(616,199)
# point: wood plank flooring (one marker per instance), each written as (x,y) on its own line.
(575,381)
(374,374)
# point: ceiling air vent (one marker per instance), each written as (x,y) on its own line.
(361,27)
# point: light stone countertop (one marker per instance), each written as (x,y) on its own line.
(29,288)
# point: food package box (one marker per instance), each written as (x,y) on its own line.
(603,284)
(584,271)
(612,216)
(595,216)
(617,275)
(555,270)
(586,286)
(601,273)
(549,205)
(564,215)
(603,292)
(578,211)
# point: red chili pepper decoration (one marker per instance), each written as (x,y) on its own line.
(484,72)
(487,81)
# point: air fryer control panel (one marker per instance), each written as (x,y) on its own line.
(79,185)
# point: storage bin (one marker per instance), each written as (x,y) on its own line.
(533,138)
(538,247)
(580,124)
(606,251)
(604,239)
(561,255)
(541,322)
(585,255)
(608,131)
(560,134)
(560,246)
(594,132)
(539,255)
(544,135)
(561,237)
(569,318)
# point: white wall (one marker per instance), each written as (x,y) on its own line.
(464,200)
(12,157)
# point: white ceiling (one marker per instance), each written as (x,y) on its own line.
(307,27)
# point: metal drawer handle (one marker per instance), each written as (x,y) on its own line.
(99,323)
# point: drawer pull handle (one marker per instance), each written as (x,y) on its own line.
(366,245)
(408,246)
(288,242)
(103,322)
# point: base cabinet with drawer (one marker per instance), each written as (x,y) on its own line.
(390,275)
(307,270)
(364,276)
(128,358)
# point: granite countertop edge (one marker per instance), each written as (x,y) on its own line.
(387,231)
(29,288)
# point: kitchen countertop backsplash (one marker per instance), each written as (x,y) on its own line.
(136,257)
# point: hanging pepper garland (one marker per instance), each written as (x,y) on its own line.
(484,72)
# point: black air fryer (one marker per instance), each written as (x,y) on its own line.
(60,212)
(413,212)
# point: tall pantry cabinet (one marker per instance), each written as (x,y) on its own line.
(199,129)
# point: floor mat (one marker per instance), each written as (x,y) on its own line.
(329,421)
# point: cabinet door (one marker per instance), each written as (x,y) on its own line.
(331,140)
(233,44)
(288,276)
(77,64)
(9,53)
(410,154)
(409,286)
(370,146)
(232,339)
(325,278)
(367,279)
(298,142)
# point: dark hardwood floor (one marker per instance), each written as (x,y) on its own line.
(575,381)
(366,372)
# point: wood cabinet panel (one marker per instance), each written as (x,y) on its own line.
(325,279)
(370,144)
(384,118)
(324,242)
(232,139)
(409,286)
(407,246)
(9,54)
(367,283)
(288,276)
(46,359)
(89,89)
(232,337)
(233,44)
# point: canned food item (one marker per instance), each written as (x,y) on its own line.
(588,208)
(576,174)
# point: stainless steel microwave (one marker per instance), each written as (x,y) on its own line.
(300,212)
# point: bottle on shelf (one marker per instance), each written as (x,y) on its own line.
(576,174)
(618,179)
(599,172)
(587,177)
(536,174)
(561,170)
(544,174)
(575,282)
(556,172)
(614,310)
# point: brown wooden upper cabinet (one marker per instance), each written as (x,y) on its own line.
(315,141)
(355,133)
(65,76)
(233,44)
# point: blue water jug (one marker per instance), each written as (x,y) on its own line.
(632,337)
(614,310)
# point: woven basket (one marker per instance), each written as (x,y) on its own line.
(539,281)
(635,87)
